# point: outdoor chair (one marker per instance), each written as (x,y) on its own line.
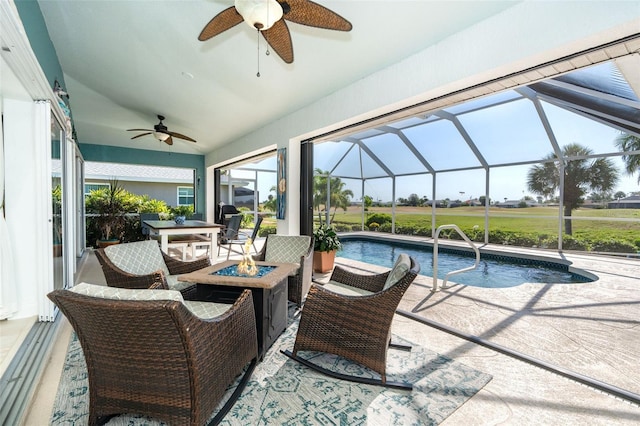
(151,352)
(225,212)
(351,316)
(146,232)
(143,265)
(229,233)
(296,249)
(242,238)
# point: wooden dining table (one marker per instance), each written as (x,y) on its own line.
(191,229)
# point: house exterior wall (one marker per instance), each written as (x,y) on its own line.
(167,192)
(111,154)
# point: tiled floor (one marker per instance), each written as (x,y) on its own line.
(592,329)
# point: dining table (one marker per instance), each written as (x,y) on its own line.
(192,230)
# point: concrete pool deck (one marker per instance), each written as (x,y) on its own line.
(592,329)
(589,328)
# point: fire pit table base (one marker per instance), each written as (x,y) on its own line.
(270,306)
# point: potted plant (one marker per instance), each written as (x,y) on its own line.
(325,245)
(181,213)
(110,206)
(56,196)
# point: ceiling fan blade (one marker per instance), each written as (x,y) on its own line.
(139,130)
(279,39)
(169,141)
(140,135)
(308,13)
(224,20)
(180,136)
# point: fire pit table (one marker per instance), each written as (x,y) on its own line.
(221,283)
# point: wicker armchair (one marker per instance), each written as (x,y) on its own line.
(351,316)
(143,265)
(296,249)
(150,352)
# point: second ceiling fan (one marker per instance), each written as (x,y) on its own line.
(268,17)
(161,133)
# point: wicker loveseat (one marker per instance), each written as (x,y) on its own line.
(296,249)
(351,316)
(142,265)
(150,352)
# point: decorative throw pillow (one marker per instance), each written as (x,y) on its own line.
(399,270)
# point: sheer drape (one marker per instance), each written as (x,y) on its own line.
(8,294)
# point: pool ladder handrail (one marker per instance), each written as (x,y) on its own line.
(435,256)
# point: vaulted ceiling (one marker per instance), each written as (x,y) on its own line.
(124,62)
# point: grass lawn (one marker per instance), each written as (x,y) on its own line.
(591,224)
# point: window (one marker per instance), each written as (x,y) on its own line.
(185,196)
(88,187)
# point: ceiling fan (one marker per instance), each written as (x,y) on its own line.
(161,133)
(268,17)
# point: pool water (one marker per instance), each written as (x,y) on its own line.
(494,271)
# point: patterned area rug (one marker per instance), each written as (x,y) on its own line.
(283,392)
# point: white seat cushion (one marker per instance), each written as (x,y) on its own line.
(286,248)
(203,310)
(399,270)
(115,293)
(346,290)
(174,284)
(206,310)
(139,258)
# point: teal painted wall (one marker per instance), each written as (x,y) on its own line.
(36,29)
(112,154)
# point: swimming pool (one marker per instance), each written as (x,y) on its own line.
(494,270)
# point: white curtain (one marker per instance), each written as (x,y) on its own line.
(8,293)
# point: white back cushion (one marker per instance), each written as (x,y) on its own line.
(139,258)
(286,248)
(400,269)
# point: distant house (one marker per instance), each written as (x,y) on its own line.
(514,204)
(172,185)
(631,202)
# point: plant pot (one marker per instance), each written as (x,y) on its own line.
(180,220)
(106,243)
(323,260)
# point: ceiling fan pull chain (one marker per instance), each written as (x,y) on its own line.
(258,33)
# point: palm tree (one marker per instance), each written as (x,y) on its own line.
(625,143)
(338,196)
(580,176)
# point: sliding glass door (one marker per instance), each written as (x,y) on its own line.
(58,201)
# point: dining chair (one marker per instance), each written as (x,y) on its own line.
(229,233)
(243,237)
(145,229)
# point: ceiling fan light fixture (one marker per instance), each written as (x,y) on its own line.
(160,136)
(259,14)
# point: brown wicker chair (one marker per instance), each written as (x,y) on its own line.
(142,265)
(156,357)
(353,319)
(291,249)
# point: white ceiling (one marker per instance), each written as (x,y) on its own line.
(126,61)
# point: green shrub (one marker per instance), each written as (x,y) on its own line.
(380,218)
(614,246)
(266,230)
(385,227)
(373,226)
